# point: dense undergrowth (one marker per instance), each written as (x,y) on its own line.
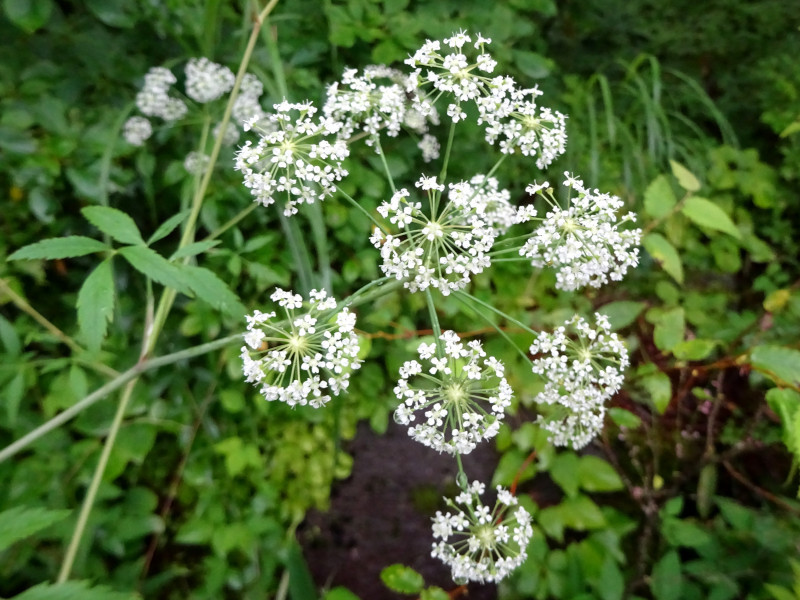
(689,492)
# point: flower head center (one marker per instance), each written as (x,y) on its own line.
(298,344)
(456,394)
(485,536)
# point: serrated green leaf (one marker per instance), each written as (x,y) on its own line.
(434,593)
(777,361)
(72,590)
(96,305)
(659,198)
(340,593)
(696,349)
(665,254)
(168,227)
(786,403)
(669,329)
(705,213)
(9,337)
(64,247)
(659,387)
(211,289)
(402,579)
(301,584)
(666,579)
(564,471)
(681,532)
(581,513)
(624,418)
(611,583)
(194,249)
(113,222)
(621,313)
(19,522)
(597,475)
(150,263)
(685,177)
(28,15)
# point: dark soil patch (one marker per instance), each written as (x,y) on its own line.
(381,514)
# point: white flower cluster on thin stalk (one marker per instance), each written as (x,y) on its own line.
(454,401)
(376,101)
(304,357)
(583,241)
(445,249)
(206,80)
(298,158)
(462,70)
(583,368)
(137,130)
(479,543)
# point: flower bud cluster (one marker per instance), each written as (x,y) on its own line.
(583,368)
(460,397)
(306,356)
(297,157)
(445,249)
(582,241)
(479,543)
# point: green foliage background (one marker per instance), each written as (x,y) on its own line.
(691,491)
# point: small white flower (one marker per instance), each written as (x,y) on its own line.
(583,241)
(445,249)
(304,358)
(583,368)
(455,403)
(137,130)
(207,80)
(293,159)
(479,544)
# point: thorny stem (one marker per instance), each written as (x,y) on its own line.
(165,304)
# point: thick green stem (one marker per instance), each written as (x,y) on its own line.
(451,135)
(91,493)
(25,307)
(120,380)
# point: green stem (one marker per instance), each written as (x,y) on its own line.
(320,235)
(25,307)
(495,326)
(120,380)
(389,177)
(302,261)
(437,331)
(461,479)
(91,493)
(361,208)
(451,135)
(230,223)
(472,298)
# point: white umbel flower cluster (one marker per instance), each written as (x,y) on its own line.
(460,398)
(583,368)
(137,130)
(461,70)
(445,249)
(304,357)
(479,543)
(153,100)
(583,241)
(295,160)
(206,80)
(376,102)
